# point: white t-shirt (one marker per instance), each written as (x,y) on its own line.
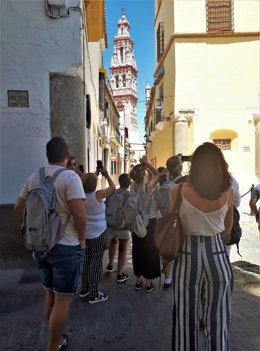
(96,213)
(68,186)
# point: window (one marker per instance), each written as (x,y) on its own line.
(113,168)
(117,81)
(124,80)
(121,55)
(223,144)
(219,16)
(88,112)
(160,40)
(101,91)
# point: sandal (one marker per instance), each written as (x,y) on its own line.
(65,342)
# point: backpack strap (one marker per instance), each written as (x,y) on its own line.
(41,174)
(51,181)
(55,175)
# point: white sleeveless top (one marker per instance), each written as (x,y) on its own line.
(196,222)
(96,218)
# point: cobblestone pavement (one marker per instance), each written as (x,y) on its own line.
(130,320)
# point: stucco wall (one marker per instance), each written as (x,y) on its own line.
(32,46)
(220,79)
(190,16)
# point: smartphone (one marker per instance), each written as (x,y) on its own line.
(185,158)
(99,164)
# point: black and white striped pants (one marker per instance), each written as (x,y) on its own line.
(203,261)
(92,267)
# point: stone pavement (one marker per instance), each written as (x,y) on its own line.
(130,320)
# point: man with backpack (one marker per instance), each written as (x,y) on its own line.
(117,234)
(54,229)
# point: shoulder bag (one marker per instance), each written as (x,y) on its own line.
(168,235)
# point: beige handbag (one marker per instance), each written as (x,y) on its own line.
(168,235)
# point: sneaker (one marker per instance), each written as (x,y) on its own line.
(150,288)
(121,278)
(138,285)
(102,297)
(109,268)
(83,293)
(65,342)
(166,286)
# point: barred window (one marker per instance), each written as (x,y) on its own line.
(160,40)
(223,144)
(219,16)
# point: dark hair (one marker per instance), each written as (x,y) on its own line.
(89,182)
(81,168)
(57,150)
(159,169)
(124,180)
(70,160)
(174,165)
(208,173)
(137,173)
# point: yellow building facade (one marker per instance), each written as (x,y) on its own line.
(207,81)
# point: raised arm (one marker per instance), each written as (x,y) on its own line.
(144,161)
(104,193)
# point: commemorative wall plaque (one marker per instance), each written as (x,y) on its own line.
(18,98)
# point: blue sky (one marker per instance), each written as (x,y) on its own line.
(140,15)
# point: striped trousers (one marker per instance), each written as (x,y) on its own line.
(92,267)
(202,274)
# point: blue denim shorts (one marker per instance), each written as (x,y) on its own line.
(61,268)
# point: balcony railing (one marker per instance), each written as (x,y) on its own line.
(115,136)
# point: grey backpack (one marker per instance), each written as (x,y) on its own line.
(42,227)
(115,211)
(163,195)
(136,220)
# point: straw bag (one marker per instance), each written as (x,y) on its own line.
(168,236)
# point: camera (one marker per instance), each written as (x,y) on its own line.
(185,158)
(99,164)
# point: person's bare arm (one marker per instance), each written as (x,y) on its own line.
(228,222)
(78,212)
(19,207)
(104,193)
(144,161)
(154,180)
(252,204)
(173,197)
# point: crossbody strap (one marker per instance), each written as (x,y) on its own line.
(178,200)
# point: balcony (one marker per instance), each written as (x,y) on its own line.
(115,137)
(104,133)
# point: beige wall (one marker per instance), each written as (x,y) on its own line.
(162,147)
(216,76)
(190,16)
(247,15)
(219,78)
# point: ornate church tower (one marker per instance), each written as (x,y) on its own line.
(123,79)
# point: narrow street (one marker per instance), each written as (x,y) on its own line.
(130,320)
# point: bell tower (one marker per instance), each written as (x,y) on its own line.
(123,79)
